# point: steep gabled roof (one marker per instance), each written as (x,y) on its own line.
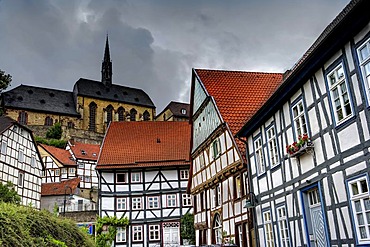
(118,93)
(85,151)
(62,155)
(176,109)
(58,189)
(238,94)
(40,100)
(139,144)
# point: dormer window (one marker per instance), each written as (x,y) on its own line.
(183,111)
(83,152)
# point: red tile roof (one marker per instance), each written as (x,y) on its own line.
(62,155)
(85,151)
(54,189)
(138,144)
(238,94)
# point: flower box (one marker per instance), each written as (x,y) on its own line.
(303,145)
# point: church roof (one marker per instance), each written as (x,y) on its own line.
(40,100)
(118,93)
(176,109)
(145,144)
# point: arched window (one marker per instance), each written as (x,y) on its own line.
(217,229)
(121,114)
(109,113)
(22,117)
(146,116)
(92,116)
(48,121)
(133,113)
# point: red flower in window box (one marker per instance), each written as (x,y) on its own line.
(299,146)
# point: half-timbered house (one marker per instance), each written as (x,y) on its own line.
(221,102)
(20,161)
(143,169)
(308,145)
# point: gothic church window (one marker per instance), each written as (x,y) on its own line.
(146,116)
(48,121)
(92,115)
(109,113)
(121,112)
(133,113)
(22,117)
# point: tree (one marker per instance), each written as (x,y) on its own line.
(106,229)
(187,228)
(5,80)
(55,132)
(8,193)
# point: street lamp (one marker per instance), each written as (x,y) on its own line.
(65,198)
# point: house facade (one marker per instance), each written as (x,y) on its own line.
(174,111)
(308,145)
(144,178)
(20,161)
(221,103)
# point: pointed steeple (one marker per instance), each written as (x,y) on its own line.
(106,68)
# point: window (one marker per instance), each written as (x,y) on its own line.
(81,165)
(299,118)
(22,117)
(137,233)
(57,172)
(217,229)
(71,170)
(92,116)
(87,179)
(154,232)
(186,200)
(109,110)
(267,225)
(70,125)
(3,147)
(216,148)
(48,121)
(121,114)
(272,146)
(136,203)
(360,207)
(121,234)
(121,178)
(146,116)
(217,196)
(339,94)
(184,174)
(283,227)
(201,160)
(64,170)
(135,177)
(133,113)
(171,200)
(183,111)
(33,162)
(202,201)
(259,155)
(153,202)
(121,203)
(240,235)
(363,53)
(20,155)
(20,179)
(238,187)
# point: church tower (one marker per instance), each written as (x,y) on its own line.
(106,68)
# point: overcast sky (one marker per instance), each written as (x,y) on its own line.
(154,44)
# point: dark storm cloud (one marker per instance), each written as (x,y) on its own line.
(154,44)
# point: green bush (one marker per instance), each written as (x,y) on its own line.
(54,132)
(51,142)
(8,193)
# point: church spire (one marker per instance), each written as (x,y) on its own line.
(106,68)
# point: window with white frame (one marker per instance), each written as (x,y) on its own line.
(272,145)
(360,206)
(137,233)
(64,170)
(259,155)
(72,170)
(238,187)
(20,179)
(136,203)
(121,204)
(171,200)
(267,225)
(339,94)
(3,147)
(154,232)
(283,227)
(216,147)
(364,59)
(153,202)
(121,178)
(121,234)
(184,174)
(135,177)
(299,118)
(186,200)
(81,165)
(202,160)
(218,195)
(20,155)
(240,235)
(57,172)
(33,161)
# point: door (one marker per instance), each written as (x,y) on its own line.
(171,236)
(318,235)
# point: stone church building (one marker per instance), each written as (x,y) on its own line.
(90,107)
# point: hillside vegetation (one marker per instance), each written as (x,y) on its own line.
(25,226)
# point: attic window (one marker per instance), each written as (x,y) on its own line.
(51,94)
(66,104)
(42,101)
(98,93)
(30,91)
(20,98)
(94,154)
(83,152)
(183,111)
(125,93)
(137,99)
(115,96)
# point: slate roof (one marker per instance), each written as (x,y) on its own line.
(238,94)
(143,144)
(58,189)
(118,93)
(85,151)
(5,123)
(40,100)
(176,107)
(62,155)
